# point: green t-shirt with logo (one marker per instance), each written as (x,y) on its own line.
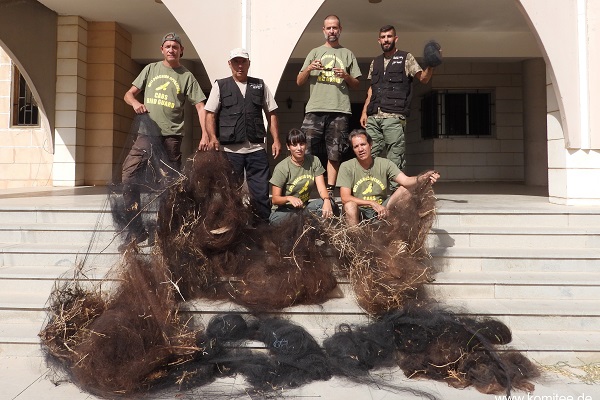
(297,181)
(165,92)
(329,93)
(368,184)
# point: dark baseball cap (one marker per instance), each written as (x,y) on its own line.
(171,36)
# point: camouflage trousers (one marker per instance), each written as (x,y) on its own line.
(329,130)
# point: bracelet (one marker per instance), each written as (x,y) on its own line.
(326,198)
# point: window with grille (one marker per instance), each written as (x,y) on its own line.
(24,105)
(447,113)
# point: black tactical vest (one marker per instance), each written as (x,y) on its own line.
(390,88)
(240,118)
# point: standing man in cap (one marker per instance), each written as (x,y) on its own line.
(388,98)
(331,69)
(167,85)
(234,119)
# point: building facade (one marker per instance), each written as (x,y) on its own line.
(525,75)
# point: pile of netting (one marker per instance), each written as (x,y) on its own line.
(135,331)
(121,336)
(388,262)
(427,342)
(206,237)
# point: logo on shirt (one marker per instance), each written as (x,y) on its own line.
(329,62)
(369,188)
(162,96)
(256,85)
(304,192)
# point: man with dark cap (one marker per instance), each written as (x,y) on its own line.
(234,119)
(166,85)
(388,98)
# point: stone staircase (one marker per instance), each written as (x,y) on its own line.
(535,267)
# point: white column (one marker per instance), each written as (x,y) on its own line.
(69,157)
(275,27)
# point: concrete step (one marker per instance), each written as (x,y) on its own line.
(447,285)
(42,279)
(452,237)
(534,269)
(520,315)
(515,259)
(36,215)
(564,217)
(515,236)
(65,254)
(57,233)
(516,285)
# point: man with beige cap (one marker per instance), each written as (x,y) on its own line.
(234,120)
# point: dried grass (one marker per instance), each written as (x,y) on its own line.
(586,373)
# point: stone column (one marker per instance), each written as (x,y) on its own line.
(534,122)
(71,66)
(110,73)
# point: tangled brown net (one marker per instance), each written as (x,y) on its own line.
(127,336)
(428,342)
(213,251)
(387,262)
(122,341)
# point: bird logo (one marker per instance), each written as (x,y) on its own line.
(305,188)
(329,66)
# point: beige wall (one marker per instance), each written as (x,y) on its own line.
(28,34)
(28,38)
(25,152)
(499,158)
(534,122)
(593,37)
(269,37)
(572,148)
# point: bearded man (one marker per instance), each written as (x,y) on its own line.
(388,98)
(332,70)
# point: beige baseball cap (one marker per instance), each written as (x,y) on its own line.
(238,52)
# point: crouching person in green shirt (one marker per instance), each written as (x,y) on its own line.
(293,180)
(364,180)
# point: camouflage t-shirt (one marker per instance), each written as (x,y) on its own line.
(165,92)
(297,181)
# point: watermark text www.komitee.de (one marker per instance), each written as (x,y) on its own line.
(555,396)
